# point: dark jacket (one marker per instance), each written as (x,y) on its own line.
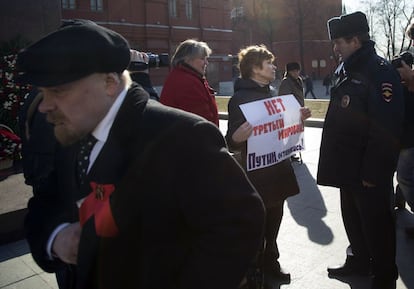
(363,123)
(274,183)
(289,85)
(144,80)
(186,213)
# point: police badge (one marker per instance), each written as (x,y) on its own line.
(386,91)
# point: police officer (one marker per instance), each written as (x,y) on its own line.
(359,150)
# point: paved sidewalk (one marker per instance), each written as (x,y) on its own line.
(311,238)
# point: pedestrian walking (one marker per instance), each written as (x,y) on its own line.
(327,81)
(309,86)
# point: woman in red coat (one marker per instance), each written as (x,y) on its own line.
(186,87)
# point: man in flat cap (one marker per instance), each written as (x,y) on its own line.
(359,150)
(160,203)
(47,170)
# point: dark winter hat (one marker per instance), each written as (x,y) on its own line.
(348,25)
(77,49)
(292,66)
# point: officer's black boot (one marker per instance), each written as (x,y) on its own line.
(352,266)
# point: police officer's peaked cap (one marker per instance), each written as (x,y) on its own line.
(77,49)
(348,25)
(292,66)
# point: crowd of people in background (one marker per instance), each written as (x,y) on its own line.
(158,201)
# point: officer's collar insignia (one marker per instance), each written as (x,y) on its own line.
(345,101)
(386,91)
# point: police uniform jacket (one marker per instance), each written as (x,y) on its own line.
(185,214)
(363,123)
(274,183)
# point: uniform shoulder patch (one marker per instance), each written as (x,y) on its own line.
(386,90)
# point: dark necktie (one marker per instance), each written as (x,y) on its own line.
(86,145)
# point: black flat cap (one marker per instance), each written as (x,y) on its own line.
(348,25)
(79,48)
(292,66)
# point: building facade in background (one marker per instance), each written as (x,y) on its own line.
(158,26)
(294,30)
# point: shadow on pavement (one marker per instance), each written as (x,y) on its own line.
(355,282)
(271,283)
(310,215)
(13,250)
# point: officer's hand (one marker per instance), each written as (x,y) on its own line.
(65,245)
(242,133)
(367,184)
(305,113)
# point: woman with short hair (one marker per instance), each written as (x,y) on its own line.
(186,86)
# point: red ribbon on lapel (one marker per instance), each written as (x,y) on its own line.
(97,203)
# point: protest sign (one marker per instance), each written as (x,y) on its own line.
(277,130)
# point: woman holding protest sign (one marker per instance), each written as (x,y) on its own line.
(274,182)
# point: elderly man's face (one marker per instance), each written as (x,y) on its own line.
(76,108)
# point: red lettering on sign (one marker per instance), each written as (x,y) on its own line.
(274,106)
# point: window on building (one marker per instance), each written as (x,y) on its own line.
(172,7)
(189,9)
(97,5)
(68,4)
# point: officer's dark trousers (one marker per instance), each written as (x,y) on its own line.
(370,226)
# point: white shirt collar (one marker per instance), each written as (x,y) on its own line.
(101,131)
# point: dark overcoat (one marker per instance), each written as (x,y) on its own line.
(274,183)
(186,213)
(363,124)
(289,85)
